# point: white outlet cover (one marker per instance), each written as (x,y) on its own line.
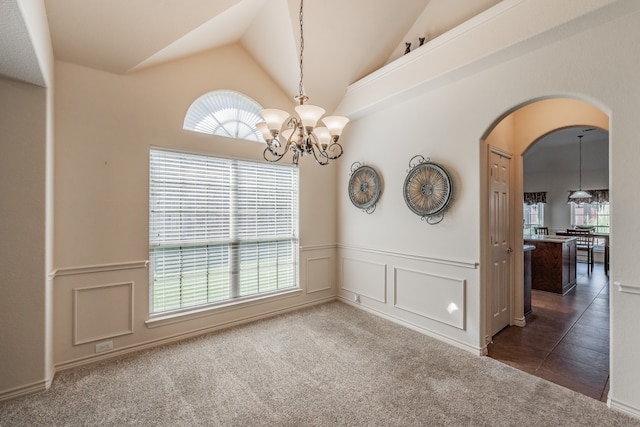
(104,346)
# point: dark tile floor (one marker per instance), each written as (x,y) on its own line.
(566,339)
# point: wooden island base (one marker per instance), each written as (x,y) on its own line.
(553,263)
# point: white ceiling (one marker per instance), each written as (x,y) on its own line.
(344,39)
(559,150)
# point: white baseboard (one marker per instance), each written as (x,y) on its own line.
(623,407)
(24,390)
(464,346)
(520,321)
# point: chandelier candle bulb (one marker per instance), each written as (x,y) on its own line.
(309,114)
(275,118)
(335,124)
(264,130)
(324,137)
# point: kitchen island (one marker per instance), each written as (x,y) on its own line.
(553,263)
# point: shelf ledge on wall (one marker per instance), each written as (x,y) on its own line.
(500,33)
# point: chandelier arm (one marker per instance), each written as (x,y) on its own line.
(272,155)
(321,157)
(294,123)
(313,143)
(272,147)
(334,147)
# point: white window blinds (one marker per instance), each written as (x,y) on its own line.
(225,113)
(219,229)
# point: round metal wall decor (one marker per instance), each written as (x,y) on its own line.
(427,189)
(364,187)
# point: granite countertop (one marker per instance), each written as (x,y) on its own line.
(545,238)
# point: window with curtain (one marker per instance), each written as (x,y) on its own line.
(219,230)
(533,209)
(594,211)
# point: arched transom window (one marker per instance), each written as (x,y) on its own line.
(225,113)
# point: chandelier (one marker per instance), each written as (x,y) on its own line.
(300,134)
(580,194)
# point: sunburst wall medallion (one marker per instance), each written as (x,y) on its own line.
(427,189)
(364,187)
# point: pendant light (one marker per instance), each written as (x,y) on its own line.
(580,194)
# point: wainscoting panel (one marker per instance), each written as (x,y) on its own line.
(430,295)
(437,296)
(319,274)
(364,278)
(102,312)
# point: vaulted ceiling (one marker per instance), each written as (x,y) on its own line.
(344,40)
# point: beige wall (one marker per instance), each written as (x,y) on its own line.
(447,119)
(22,226)
(105,125)
(441,106)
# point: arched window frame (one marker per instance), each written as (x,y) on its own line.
(225,113)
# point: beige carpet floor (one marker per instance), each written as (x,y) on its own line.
(330,365)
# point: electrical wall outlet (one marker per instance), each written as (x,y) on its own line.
(104,346)
(356,298)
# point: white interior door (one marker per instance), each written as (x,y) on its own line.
(499,237)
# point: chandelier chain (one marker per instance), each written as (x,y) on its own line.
(301,87)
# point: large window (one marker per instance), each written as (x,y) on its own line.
(219,229)
(533,217)
(591,214)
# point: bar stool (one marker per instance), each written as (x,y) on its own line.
(584,243)
(542,231)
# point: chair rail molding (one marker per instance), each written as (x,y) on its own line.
(628,289)
(453,262)
(98,268)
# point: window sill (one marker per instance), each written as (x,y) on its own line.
(196,313)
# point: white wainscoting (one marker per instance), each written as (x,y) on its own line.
(102,312)
(111,302)
(317,269)
(434,296)
(319,274)
(438,297)
(365,278)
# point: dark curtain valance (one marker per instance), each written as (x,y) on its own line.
(537,197)
(597,196)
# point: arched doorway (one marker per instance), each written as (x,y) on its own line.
(512,136)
